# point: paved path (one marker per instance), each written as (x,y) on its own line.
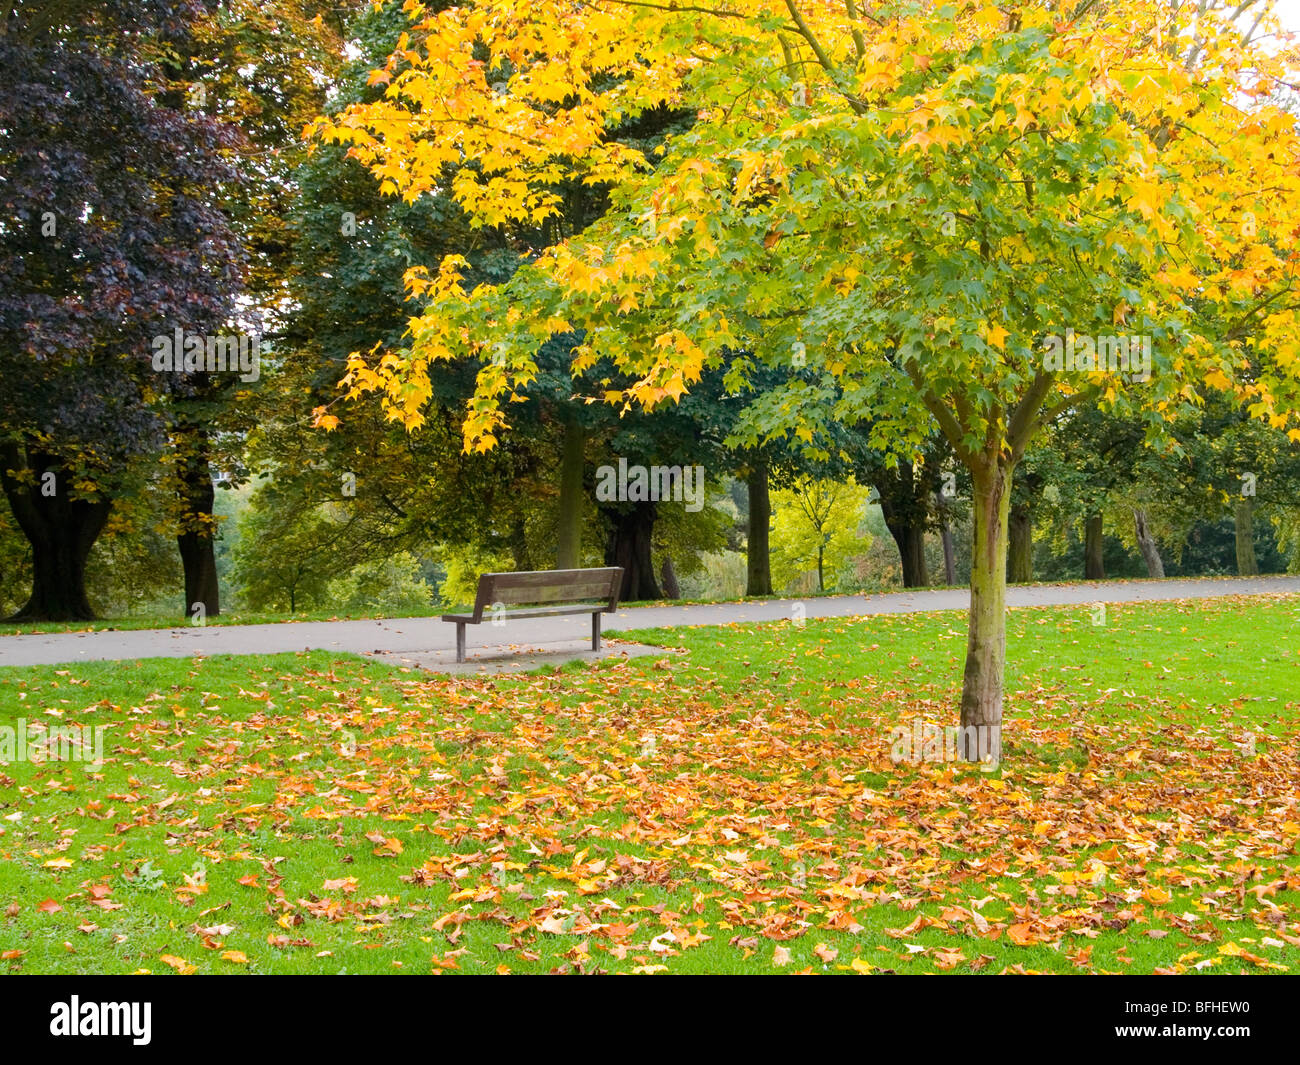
(430,635)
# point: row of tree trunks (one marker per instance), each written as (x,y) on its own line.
(629,542)
(62,531)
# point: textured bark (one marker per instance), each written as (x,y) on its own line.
(904,506)
(198,526)
(1244,520)
(672,590)
(1147,544)
(758,579)
(199,559)
(628,546)
(1020,533)
(910,540)
(986,645)
(945,537)
(949,557)
(1093,567)
(61,532)
(568,536)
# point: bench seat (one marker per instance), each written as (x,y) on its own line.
(542,594)
(530,612)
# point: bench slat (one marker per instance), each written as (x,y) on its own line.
(531,612)
(532,578)
(544,593)
(549,593)
(543,587)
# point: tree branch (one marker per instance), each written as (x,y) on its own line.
(823,57)
(951,427)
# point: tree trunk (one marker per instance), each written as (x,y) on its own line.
(672,590)
(628,546)
(61,531)
(196,539)
(519,545)
(1243,518)
(986,644)
(568,536)
(945,537)
(1147,544)
(821,568)
(1094,569)
(758,579)
(199,559)
(1020,532)
(911,551)
(903,504)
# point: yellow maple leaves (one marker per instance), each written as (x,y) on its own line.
(997,336)
(530,93)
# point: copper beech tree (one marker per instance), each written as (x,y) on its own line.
(967,215)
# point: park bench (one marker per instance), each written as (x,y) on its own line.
(540,594)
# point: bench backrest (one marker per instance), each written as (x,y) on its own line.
(549,586)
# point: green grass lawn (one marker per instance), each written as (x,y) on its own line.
(730,807)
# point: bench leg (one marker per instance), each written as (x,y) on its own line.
(460,641)
(595,631)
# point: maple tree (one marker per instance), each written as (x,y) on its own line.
(909,197)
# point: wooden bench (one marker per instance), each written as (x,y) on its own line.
(542,593)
